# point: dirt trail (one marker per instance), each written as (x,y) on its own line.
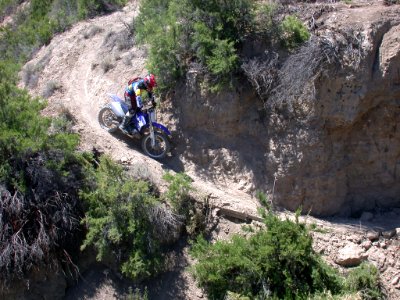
(76,60)
(76,64)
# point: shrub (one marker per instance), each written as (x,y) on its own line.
(210,33)
(40,219)
(223,59)
(90,8)
(278,261)
(125,221)
(364,279)
(40,173)
(178,190)
(22,127)
(30,76)
(183,204)
(181,32)
(35,194)
(107,64)
(265,23)
(36,25)
(50,88)
(62,124)
(32,28)
(234,296)
(7,7)
(121,40)
(137,294)
(92,31)
(294,32)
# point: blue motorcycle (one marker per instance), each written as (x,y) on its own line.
(143,125)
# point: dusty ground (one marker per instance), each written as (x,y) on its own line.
(96,57)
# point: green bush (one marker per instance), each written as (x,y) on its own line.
(21,125)
(182,32)
(364,279)
(32,29)
(178,190)
(210,33)
(90,8)
(223,59)
(41,173)
(192,213)
(39,177)
(7,7)
(278,261)
(118,222)
(265,19)
(294,33)
(137,294)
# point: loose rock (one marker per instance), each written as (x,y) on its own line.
(350,255)
(395,280)
(373,235)
(389,233)
(366,244)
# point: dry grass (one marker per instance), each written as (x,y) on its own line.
(92,31)
(50,88)
(31,72)
(107,64)
(262,73)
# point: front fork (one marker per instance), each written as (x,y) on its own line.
(152,137)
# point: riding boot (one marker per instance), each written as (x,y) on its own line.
(124,124)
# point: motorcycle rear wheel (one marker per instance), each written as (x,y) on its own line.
(108,120)
(161,147)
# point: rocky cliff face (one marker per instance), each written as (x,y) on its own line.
(327,138)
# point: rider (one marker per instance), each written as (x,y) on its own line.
(133,97)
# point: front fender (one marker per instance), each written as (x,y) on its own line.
(159,126)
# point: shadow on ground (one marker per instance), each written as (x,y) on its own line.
(382,220)
(100,282)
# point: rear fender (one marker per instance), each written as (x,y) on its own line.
(117,108)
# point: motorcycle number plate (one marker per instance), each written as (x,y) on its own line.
(141,121)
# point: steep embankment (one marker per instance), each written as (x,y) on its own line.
(349,149)
(327,136)
(230,145)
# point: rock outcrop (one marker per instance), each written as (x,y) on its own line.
(327,139)
(349,148)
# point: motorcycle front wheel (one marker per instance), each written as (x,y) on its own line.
(108,120)
(161,145)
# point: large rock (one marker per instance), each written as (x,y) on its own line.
(351,255)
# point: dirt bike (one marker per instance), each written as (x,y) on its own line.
(154,136)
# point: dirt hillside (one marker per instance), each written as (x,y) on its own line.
(95,57)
